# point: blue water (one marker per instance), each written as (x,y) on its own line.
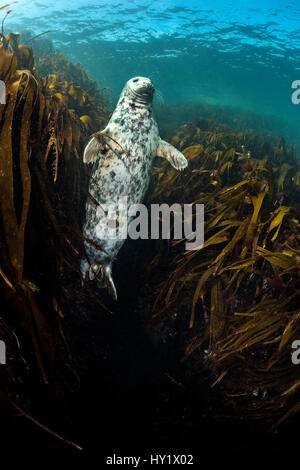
(244,54)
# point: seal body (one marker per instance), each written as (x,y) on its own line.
(122,156)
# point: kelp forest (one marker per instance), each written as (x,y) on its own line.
(212,328)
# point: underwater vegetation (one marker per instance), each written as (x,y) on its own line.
(42,184)
(73,86)
(240,292)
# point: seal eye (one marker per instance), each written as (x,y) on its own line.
(135,80)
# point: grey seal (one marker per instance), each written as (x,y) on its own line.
(122,156)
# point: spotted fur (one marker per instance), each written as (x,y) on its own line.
(122,158)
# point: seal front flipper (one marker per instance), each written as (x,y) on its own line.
(170,153)
(91,150)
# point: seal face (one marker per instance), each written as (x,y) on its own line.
(122,156)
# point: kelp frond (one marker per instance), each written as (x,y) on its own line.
(243,285)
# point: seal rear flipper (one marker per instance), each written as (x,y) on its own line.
(170,153)
(91,150)
(94,271)
(84,268)
(108,282)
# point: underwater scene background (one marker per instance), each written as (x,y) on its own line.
(195,357)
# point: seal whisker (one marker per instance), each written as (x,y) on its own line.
(160,98)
